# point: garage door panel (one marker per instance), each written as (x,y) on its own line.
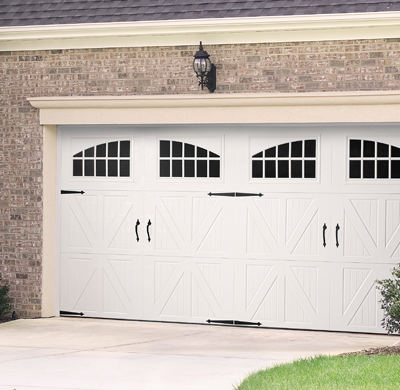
(354,297)
(392,231)
(191,290)
(116,287)
(81,223)
(189,224)
(283,294)
(101,286)
(367,228)
(303,234)
(367,158)
(100,223)
(80,283)
(283,226)
(283,157)
(189,158)
(261,226)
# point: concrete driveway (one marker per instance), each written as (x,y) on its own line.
(93,354)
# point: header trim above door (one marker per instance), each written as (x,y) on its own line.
(328,107)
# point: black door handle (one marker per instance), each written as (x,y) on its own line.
(337,238)
(148,233)
(323,234)
(136,230)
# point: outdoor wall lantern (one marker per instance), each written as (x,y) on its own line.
(206,71)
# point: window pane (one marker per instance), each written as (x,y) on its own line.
(201,168)
(270,168)
(189,168)
(283,150)
(189,150)
(283,168)
(101,150)
(296,168)
(112,168)
(309,169)
(355,169)
(271,152)
(201,152)
(125,149)
(113,149)
(310,148)
(89,167)
(100,167)
(368,169)
(395,151)
(395,166)
(213,154)
(297,149)
(257,170)
(355,148)
(80,154)
(369,149)
(164,168)
(77,168)
(383,169)
(176,149)
(214,168)
(164,149)
(258,155)
(176,168)
(89,153)
(383,150)
(124,168)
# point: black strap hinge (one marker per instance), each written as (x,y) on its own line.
(70,313)
(63,192)
(233,322)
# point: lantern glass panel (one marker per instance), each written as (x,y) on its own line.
(202,66)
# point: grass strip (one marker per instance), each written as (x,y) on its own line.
(329,373)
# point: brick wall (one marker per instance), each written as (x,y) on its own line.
(360,65)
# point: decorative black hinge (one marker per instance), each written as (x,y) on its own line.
(71,192)
(235,194)
(70,313)
(233,322)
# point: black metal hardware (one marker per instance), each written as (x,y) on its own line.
(239,194)
(233,322)
(71,192)
(337,238)
(235,194)
(231,194)
(136,230)
(148,233)
(205,71)
(323,234)
(70,313)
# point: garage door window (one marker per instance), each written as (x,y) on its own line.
(178,159)
(295,160)
(373,160)
(105,160)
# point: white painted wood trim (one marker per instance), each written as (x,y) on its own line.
(369,25)
(221,108)
(50,248)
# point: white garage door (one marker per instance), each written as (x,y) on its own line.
(287,226)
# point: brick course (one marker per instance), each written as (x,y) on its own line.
(357,65)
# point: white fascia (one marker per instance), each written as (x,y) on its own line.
(372,25)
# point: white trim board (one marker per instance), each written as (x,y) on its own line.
(381,106)
(370,25)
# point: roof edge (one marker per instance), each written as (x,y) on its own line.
(296,28)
